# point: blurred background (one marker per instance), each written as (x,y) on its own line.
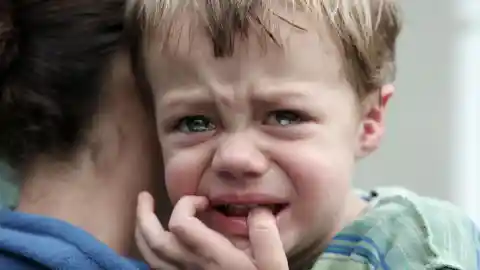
(432,145)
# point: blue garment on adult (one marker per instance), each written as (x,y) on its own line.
(37,242)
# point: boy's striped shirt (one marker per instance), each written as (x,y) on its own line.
(401,230)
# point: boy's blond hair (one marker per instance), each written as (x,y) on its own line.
(365,30)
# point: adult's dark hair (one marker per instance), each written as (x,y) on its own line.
(52,57)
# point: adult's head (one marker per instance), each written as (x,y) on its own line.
(72,122)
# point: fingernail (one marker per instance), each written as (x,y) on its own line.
(145,200)
(143,196)
(201,202)
(261,213)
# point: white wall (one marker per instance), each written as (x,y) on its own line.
(466,156)
(432,140)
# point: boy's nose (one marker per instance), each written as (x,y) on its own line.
(238,158)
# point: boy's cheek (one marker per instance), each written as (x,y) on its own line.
(179,184)
(183,171)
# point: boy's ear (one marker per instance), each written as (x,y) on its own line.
(372,124)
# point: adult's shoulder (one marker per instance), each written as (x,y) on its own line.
(48,243)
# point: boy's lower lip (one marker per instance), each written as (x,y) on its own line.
(227,225)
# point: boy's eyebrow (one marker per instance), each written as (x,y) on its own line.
(269,94)
(279,94)
(185,97)
(283,91)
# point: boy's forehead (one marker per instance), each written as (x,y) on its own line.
(361,34)
(291,41)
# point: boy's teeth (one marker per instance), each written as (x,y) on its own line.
(234,207)
(242,210)
(239,209)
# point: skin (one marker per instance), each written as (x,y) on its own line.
(97,189)
(277,122)
(190,244)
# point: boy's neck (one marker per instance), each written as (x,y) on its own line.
(356,207)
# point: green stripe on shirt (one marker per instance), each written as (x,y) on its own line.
(401,230)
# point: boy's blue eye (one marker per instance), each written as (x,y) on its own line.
(193,124)
(283,118)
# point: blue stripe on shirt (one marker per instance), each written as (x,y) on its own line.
(349,251)
(353,238)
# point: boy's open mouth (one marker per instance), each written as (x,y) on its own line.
(242,210)
(229,213)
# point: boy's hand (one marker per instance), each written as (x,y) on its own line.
(189,244)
